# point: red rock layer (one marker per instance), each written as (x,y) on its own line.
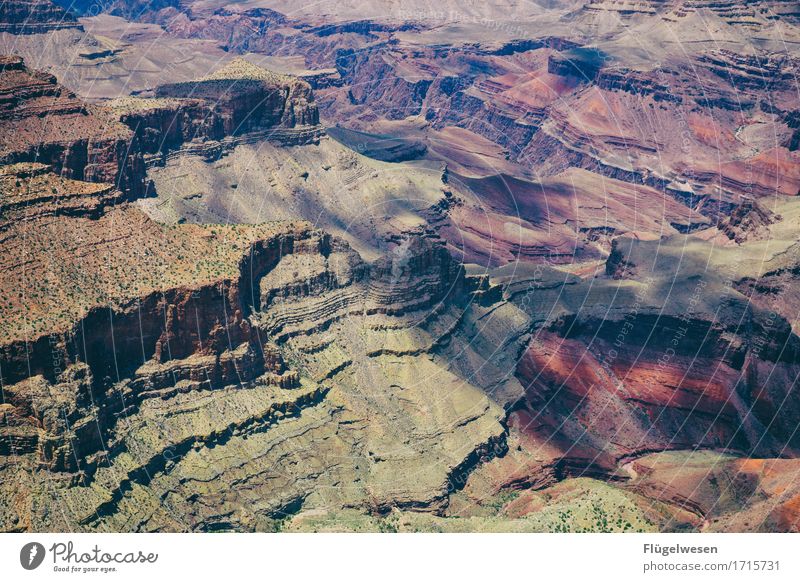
(45,123)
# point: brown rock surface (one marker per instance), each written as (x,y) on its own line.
(45,123)
(34,17)
(541,277)
(202,322)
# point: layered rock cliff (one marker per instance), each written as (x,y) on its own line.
(238,103)
(186,344)
(247,96)
(35,17)
(561,280)
(45,123)
(249,386)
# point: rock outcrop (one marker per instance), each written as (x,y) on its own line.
(45,123)
(34,17)
(551,282)
(246,96)
(33,191)
(747,221)
(144,357)
(238,103)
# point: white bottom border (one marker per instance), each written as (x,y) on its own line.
(354,557)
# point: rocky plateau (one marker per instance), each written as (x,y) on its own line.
(349,267)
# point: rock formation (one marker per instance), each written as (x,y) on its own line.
(45,123)
(538,275)
(216,340)
(34,17)
(239,102)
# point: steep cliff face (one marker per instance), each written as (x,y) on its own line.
(34,17)
(45,123)
(375,78)
(279,339)
(174,340)
(658,397)
(661,360)
(239,102)
(162,125)
(749,220)
(620,323)
(246,97)
(750,72)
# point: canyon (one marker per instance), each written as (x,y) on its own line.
(511,267)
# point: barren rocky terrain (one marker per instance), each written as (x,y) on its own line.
(369,266)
